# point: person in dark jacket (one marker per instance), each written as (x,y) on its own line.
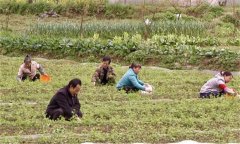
(65,102)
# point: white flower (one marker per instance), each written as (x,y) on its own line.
(178,16)
(147,22)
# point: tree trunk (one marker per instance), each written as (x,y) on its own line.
(30,1)
(222,2)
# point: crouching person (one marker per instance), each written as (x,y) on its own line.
(29,69)
(105,73)
(130,82)
(216,86)
(65,102)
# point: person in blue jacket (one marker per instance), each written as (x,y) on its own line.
(130,82)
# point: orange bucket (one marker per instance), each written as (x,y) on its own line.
(45,78)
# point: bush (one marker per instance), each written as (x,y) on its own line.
(231,19)
(24,8)
(224,29)
(197,11)
(162,51)
(216,11)
(234,42)
(205,11)
(91,7)
(118,11)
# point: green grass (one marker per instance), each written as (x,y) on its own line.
(173,113)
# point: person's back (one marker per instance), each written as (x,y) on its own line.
(125,81)
(212,85)
(216,86)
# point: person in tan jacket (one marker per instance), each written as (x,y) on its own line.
(29,69)
(105,73)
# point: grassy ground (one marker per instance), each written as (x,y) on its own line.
(173,113)
(21,23)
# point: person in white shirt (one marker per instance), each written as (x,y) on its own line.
(29,69)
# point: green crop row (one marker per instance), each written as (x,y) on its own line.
(127,48)
(109,29)
(86,7)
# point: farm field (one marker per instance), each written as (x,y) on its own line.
(179,47)
(173,113)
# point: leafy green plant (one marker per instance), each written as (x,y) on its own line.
(171,51)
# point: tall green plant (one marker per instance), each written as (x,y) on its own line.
(109,29)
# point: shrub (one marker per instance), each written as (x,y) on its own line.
(127,47)
(231,19)
(118,11)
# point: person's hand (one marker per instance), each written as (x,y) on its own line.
(78,119)
(19,79)
(235,92)
(45,74)
(146,84)
(148,89)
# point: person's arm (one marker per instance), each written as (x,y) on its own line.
(95,76)
(40,69)
(62,103)
(77,107)
(113,72)
(135,82)
(226,89)
(141,82)
(19,78)
(19,75)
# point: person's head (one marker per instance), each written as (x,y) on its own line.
(227,76)
(27,61)
(74,86)
(106,60)
(136,67)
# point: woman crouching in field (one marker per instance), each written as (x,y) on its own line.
(216,86)
(130,82)
(29,69)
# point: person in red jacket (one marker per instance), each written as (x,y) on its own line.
(65,102)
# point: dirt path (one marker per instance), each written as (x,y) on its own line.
(36,136)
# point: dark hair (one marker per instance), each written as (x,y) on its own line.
(226,73)
(106,58)
(27,59)
(74,83)
(135,65)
